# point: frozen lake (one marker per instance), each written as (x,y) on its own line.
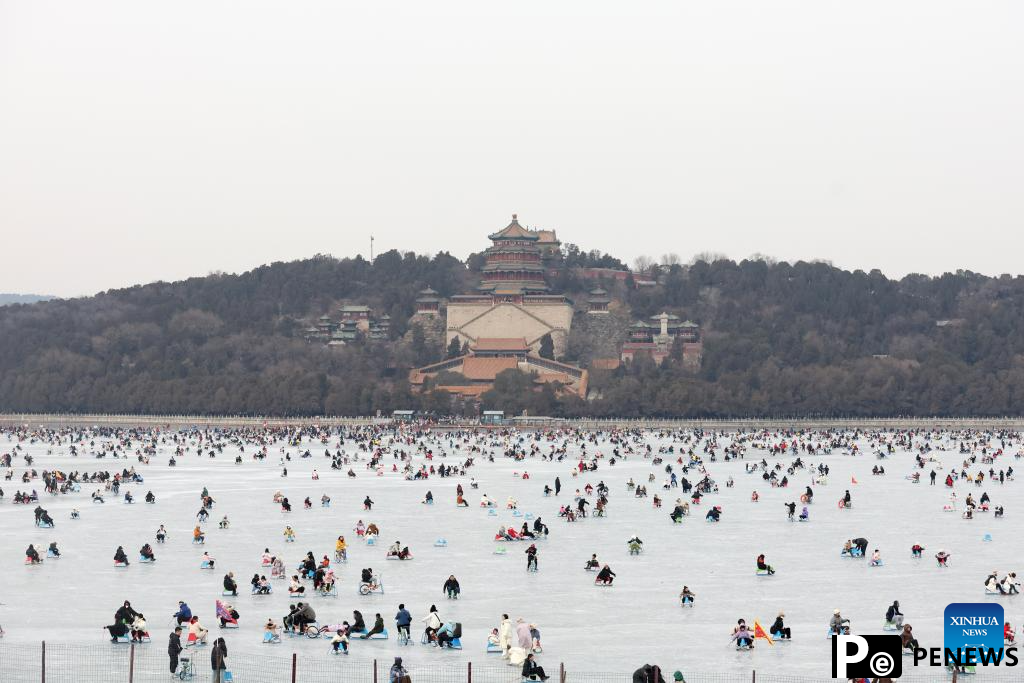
(589,628)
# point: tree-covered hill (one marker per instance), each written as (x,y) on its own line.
(779,339)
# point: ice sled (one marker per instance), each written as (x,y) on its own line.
(852,553)
(383,635)
(492,513)
(339,651)
(517,513)
(890,626)
(120,564)
(231,624)
(271,639)
(44,525)
(51,556)
(396,557)
(199,541)
(371,540)
(875,563)
(763,572)
(440,543)
(987,538)
(777,637)
(744,648)
(332,593)
(206,565)
(227,593)
(493,648)
(602,584)
(146,560)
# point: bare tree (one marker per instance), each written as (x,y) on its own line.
(642,264)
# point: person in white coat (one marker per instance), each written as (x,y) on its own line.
(432,622)
(505,635)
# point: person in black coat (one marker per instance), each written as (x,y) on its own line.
(218,653)
(125,613)
(779,628)
(532,670)
(229,583)
(648,674)
(174,648)
(122,617)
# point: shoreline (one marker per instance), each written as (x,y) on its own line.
(58,420)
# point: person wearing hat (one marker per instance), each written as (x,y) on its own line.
(398,674)
(838,624)
(779,628)
(174,648)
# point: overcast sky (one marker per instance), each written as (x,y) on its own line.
(142,141)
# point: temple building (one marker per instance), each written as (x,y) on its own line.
(657,339)
(428,302)
(598,301)
(355,322)
(473,373)
(513,298)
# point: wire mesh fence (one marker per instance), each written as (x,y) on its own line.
(60,663)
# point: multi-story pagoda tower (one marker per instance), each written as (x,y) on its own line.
(513,262)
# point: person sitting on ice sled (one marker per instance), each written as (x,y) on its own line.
(742,635)
(53,551)
(32,555)
(687,595)
(714,514)
(916,549)
(592,563)
(605,576)
(451,587)
(677,513)
(893,615)
(119,556)
(942,557)
(396,550)
(838,624)
(764,566)
(146,552)
(804,514)
(779,628)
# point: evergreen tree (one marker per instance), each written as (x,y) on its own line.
(454,348)
(547,347)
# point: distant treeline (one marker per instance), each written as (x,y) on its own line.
(780,339)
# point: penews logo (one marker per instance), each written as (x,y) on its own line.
(973,627)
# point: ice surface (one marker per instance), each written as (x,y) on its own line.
(589,628)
